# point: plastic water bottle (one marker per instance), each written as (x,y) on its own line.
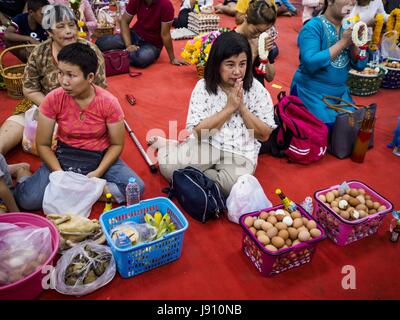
(122,240)
(132,192)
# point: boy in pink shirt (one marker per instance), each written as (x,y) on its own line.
(90,131)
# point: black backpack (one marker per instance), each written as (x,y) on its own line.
(198,195)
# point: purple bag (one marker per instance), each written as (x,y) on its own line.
(304,137)
(116,61)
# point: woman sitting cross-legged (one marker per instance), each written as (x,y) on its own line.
(229,112)
(90,130)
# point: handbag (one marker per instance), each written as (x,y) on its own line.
(346,126)
(116,61)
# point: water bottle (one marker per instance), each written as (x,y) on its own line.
(132,192)
(122,240)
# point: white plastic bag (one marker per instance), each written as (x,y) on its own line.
(84,269)
(71,193)
(22,251)
(246,196)
(389,48)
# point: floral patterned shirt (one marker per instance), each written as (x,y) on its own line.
(233,136)
(41,72)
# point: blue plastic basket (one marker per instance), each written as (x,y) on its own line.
(146,256)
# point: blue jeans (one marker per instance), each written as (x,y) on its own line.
(143,57)
(287,3)
(29,192)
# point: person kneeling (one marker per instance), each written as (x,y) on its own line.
(90,131)
(228,113)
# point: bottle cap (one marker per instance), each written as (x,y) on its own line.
(108,195)
(132,180)
(278,191)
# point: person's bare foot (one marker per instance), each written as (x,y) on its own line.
(157,142)
(14,168)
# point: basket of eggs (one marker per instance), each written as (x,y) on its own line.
(275,240)
(392,79)
(366,82)
(12,75)
(350,214)
(104,29)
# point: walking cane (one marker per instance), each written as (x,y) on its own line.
(153,167)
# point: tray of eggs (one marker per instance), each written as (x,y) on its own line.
(367,72)
(392,64)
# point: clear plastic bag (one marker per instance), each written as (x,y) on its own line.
(246,196)
(22,251)
(84,269)
(136,232)
(389,48)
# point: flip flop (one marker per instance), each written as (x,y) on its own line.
(131,99)
(134,74)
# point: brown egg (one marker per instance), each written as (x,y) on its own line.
(345,214)
(315,233)
(278,242)
(253,230)
(288,242)
(363,214)
(346,197)
(381,208)
(264,239)
(272,219)
(305,221)
(372,211)
(334,203)
(293,233)
(330,197)
(297,241)
(297,223)
(354,202)
(361,207)
(295,215)
(272,232)
(335,193)
(266,225)
(376,205)
(279,217)
(258,223)
(336,209)
(249,221)
(260,232)
(361,191)
(304,235)
(302,228)
(271,248)
(311,225)
(361,198)
(263,215)
(281,226)
(284,234)
(353,192)
(369,204)
(322,198)
(368,197)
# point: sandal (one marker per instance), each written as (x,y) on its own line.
(131,99)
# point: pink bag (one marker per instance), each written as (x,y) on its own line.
(116,61)
(304,136)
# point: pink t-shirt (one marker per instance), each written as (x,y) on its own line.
(83,128)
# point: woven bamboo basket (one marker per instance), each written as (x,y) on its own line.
(392,79)
(365,85)
(200,70)
(103,31)
(13,75)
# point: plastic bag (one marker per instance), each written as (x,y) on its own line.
(71,193)
(104,17)
(29,134)
(84,269)
(22,251)
(389,48)
(136,232)
(246,196)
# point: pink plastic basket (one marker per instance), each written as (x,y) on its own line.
(270,263)
(31,286)
(344,232)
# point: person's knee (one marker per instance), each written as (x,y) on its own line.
(143,58)
(26,199)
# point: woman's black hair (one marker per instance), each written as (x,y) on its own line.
(228,44)
(81,55)
(325,6)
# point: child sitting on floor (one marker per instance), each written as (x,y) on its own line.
(26,28)
(7,172)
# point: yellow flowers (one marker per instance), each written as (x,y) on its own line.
(393,23)
(191,52)
(81,24)
(82,34)
(379,19)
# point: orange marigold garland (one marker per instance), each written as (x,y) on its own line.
(376,36)
(393,23)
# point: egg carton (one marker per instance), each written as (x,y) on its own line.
(182,33)
(203,17)
(202,30)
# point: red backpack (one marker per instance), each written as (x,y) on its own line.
(302,136)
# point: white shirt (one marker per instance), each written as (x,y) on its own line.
(368,12)
(308,8)
(233,136)
(186,4)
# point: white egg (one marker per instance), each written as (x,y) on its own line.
(279,212)
(288,221)
(343,204)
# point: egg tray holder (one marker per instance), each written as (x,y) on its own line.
(342,231)
(391,80)
(364,84)
(271,263)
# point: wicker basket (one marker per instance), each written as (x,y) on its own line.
(13,75)
(365,85)
(200,70)
(392,79)
(103,31)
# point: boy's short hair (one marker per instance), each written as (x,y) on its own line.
(36,4)
(81,55)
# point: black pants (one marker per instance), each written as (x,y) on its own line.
(182,20)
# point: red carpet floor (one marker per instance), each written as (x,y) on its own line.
(212,265)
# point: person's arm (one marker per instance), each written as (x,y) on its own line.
(116,133)
(126,32)
(311,3)
(7,197)
(44,136)
(261,130)
(90,18)
(32,88)
(167,41)
(12,35)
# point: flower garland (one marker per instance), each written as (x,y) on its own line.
(75,6)
(376,35)
(393,23)
(354,35)
(263,54)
